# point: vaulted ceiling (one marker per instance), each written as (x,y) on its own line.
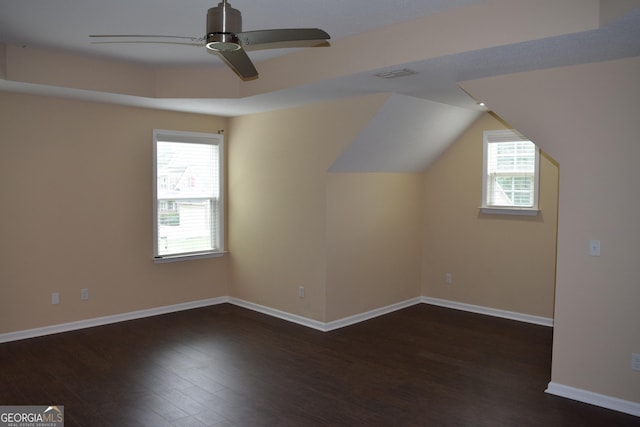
(45,48)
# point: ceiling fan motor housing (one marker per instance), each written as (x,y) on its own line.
(223,22)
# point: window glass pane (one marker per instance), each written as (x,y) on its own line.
(512,191)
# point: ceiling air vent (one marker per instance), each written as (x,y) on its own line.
(396,73)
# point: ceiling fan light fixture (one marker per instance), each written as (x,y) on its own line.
(222,42)
(222,47)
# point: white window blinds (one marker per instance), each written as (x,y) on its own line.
(510,171)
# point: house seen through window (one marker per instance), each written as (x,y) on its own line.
(510,173)
(188,209)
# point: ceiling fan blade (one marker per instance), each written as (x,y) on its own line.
(239,62)
(198,44)
(146,36)
(302,37)
(287,45)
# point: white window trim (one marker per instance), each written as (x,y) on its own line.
(509,211)
(194,137)
(508,135)
(176,258)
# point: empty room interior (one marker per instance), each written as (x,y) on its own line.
(352,180)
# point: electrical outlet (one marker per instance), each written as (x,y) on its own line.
(301,292)
(448,278)
(594,247)
(635,361)
(84,294)
(55,298)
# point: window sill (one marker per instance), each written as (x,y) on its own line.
(509,211)
(187,257)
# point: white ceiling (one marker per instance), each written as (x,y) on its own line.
(426,97)
(67,24)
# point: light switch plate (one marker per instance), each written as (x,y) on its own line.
(635,361)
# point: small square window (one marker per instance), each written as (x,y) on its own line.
(510,181)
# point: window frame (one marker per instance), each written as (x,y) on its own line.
(162,135)
(508,135)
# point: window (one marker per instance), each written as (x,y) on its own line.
(510,174)
(188,205)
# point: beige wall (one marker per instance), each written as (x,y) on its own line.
(361,241)
(498,261)
(373,241)
(278,165)
(586,116)
(75,186)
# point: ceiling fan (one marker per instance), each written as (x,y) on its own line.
(226,39)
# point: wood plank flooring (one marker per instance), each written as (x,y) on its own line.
(228,366)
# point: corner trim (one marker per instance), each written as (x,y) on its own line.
(106,320)
(294,318)
(604,401)
(325,326)
(521,317)
(357,318)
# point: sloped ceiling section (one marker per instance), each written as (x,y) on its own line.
(406,135)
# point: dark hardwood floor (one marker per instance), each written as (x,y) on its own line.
(227,366)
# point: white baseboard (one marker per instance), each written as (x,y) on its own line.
(106,320)
(294,318)
(604,401)
(324,326)
(357,318)
(528,318)
(301,320)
